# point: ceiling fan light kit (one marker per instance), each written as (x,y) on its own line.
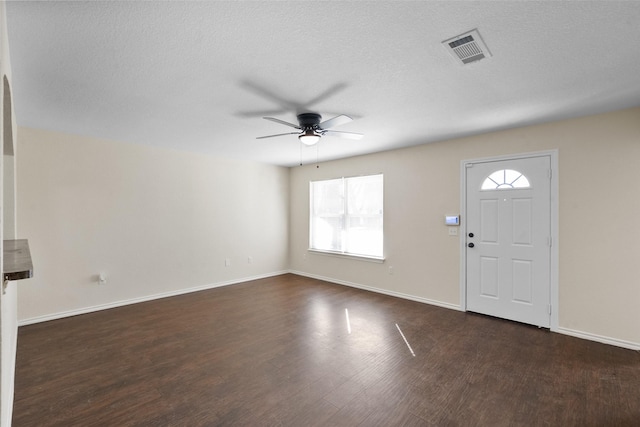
(311,129)
(309,137)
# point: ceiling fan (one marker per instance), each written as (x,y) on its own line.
(311,129)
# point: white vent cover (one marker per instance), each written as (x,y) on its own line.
(467,47)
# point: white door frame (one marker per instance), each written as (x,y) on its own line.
(553,266)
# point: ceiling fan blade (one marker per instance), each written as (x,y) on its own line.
(326,94)
(267,94)
(336,121)
(251,114)
(348,135)
(279,134)
(273,119)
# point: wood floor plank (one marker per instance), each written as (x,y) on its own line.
(292,351)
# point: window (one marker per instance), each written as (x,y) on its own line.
(346,216)
(505,179)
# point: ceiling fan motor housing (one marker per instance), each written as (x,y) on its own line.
(309,120)
(311,128)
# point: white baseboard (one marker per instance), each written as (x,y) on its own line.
(380,291)
(599,338)
(578,334)
(566,331)
(84,310)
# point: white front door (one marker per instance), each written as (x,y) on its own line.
(508,209)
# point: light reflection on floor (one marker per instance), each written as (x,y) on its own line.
(362,336)
(346,312)
(405,340)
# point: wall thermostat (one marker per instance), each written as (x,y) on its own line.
(452,219)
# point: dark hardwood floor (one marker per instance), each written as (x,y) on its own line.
(278,352)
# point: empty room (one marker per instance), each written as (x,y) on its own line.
(328,213)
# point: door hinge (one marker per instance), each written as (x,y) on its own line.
(549,241)
(549,173)
(549,308)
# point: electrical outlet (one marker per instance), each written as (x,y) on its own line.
(453,231)
(390,269)
(227,262)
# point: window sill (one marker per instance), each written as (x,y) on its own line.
(367,258)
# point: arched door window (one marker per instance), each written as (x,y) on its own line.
(505,179)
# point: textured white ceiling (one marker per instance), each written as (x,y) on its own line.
(199,75)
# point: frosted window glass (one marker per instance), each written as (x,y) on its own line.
(346,215)
(505,179)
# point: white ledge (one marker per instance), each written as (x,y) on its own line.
(367,258)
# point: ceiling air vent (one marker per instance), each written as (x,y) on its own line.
(467,47)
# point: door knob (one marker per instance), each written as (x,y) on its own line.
(470,234)
(471,245)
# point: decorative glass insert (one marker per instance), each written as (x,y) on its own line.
(505,179)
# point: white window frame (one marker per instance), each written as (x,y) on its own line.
(345,215)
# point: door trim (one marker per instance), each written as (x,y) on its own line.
(553,264)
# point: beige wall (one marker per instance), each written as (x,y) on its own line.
(599,207)
(159,221)
(155,221)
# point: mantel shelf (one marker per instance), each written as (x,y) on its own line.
(17,260)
